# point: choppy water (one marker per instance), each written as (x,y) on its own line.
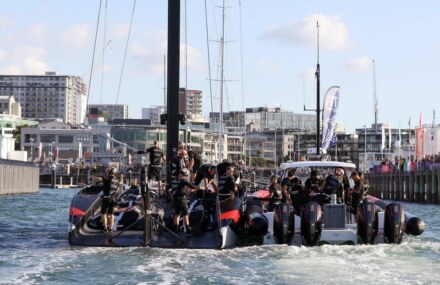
(34,250)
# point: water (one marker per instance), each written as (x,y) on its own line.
(34,250)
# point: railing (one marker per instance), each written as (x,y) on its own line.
(419,187)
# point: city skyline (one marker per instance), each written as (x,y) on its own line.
(278,45)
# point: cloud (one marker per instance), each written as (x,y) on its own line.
(265,65)
(24,60)
(37,31)
(75,36)
(3,55)
(34,66)
(194,58)
(6,23)
(308,74)
(333,33)
(359,64)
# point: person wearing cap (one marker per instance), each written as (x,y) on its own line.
(108,203)
(313,183)
(356,194)
(207,174)
(179,188)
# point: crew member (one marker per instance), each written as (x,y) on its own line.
(356,194)
(229,188)
(109,192)
(206,173)
(155,167)
(180,203)
(313,183)
(194,163)
(275,193)
(333,184)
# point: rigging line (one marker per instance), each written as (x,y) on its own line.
(93,59)
(103,50)
(125,53)
(209,58)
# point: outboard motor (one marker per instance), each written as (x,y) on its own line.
(367,222)
(283,227)
(311,223)
(394,222)
(256,221)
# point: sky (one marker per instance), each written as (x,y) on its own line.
(270,53)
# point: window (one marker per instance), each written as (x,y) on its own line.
(65,139)
(47,138)
(83,138)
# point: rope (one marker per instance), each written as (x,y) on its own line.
(93,56)
(125,53)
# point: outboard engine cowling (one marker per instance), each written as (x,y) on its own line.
(282,222)
(367,222)
(394,222)
(311,223)
(256,221)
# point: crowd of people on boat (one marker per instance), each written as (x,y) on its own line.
(318,189)
(187,174)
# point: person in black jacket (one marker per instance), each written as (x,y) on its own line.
(109,192)
(154,169)
(179,187)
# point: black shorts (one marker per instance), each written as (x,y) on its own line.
(107,206)
(154,172)
(198,179)
(180,206)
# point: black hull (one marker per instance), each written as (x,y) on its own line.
(86,229)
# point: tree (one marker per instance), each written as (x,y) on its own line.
(16,133)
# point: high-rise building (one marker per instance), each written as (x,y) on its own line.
(190,102)
(47,96)
(153,113)
(108,111)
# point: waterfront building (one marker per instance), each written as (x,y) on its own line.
(190,102)
(263,118)
(56,140)
(9,106)
(108,111)
(47,96)
(153,114)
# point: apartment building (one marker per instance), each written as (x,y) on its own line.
(47,96)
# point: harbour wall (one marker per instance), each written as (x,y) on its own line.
(417,187)
(18,177)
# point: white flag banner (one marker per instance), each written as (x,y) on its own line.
(331,103)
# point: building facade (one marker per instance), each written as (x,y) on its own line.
(190,102)
(108,111)
(153,113)
(47,96)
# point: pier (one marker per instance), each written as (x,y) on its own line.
(417,187)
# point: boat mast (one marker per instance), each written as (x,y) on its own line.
(222,52)
(173,79)
(318,75)
(376,111)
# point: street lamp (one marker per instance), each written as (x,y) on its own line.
(32,147)
(365,149)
